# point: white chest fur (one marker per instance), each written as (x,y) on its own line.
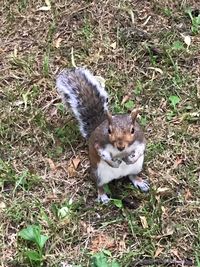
(107,173)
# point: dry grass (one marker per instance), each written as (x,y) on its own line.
(138,47)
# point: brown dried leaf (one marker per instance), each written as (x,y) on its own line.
(57,42)
(44,8)
(169,230)
(2,206)
(71,170)
(177,162)
(188,194)
(100,242)
(51,164)
(76,162)
(161,190)
(125,99)
(187,40)
(144,222)
(159,250)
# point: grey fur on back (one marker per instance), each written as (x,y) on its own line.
(87,98)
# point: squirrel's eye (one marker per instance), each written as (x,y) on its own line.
(109,131)
(132,130)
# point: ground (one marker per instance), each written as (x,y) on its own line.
(148,53)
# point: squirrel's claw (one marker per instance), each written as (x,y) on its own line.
(143,185)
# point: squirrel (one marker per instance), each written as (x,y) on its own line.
(116,142)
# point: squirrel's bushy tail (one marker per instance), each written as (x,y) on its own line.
(86,97)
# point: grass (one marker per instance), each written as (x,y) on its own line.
(44,177)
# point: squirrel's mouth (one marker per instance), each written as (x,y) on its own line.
(120,148)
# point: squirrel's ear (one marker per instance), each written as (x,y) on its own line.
(134,114)
(109,117)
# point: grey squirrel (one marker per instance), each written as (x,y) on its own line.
(116,143)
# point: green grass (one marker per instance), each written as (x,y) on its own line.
(39,140)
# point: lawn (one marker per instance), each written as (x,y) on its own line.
(148,54)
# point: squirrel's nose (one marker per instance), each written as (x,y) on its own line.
(120,148)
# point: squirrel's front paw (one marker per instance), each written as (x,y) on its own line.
(129,159)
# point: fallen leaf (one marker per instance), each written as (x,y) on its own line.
(113,45)
(100,242)
(2,206)
(71,170)
(125,99)
(51,164)
(57,42)
(144,222)
(53,111)
(76,162)
(188,194)
(169,230)
(159,250)
(162,190)
(177,162)
(44,8)
(187,40)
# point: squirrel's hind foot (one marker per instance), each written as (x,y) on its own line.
(103,198)
(139,183)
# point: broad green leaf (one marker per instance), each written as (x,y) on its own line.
(129,104)
(114,264)
(32,233)
(118,203)
(174,100)
(43,240)
(29,233)
(33,255)
(37,235)
(99,260)
(40,239)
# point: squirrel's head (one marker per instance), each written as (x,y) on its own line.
(121,129)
